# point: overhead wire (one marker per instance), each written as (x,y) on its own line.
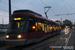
(46,5)
(66,8)
(43,2)
(69,5)
(61,8)
(73,3)
(53,11)
(8,4)
(3,10)
(65,5)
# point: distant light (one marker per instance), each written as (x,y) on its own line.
(66,33)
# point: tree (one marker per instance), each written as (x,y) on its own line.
(58,21)
(67,23)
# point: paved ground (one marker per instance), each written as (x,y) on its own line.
(57,42)
(67,44)
(72,40)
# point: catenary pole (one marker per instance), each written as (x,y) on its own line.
(9,9)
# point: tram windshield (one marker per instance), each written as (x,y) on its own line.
(16,25)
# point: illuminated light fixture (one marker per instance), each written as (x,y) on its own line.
(56,27)
(60,27)
(33,27)
(50,27)
(17,18)
(60,37)
(19,36)
(66,33)
(7,36)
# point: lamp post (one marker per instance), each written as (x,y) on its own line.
(47,10)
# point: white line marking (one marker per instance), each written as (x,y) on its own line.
(68,40)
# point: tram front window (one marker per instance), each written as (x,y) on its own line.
(15,25)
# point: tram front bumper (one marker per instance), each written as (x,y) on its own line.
(14,42)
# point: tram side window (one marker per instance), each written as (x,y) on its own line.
(31,26)
(40,26)
(47,28)
(54,28)
(50,28)
(57,28)
(35,26)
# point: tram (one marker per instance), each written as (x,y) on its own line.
(26,26)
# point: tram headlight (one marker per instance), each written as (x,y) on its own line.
(7,36)
(19,36)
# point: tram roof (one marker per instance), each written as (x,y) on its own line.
(17,11)
(32,14)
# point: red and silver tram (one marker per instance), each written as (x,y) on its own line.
(27,27)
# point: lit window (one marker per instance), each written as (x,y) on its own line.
(18,24)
